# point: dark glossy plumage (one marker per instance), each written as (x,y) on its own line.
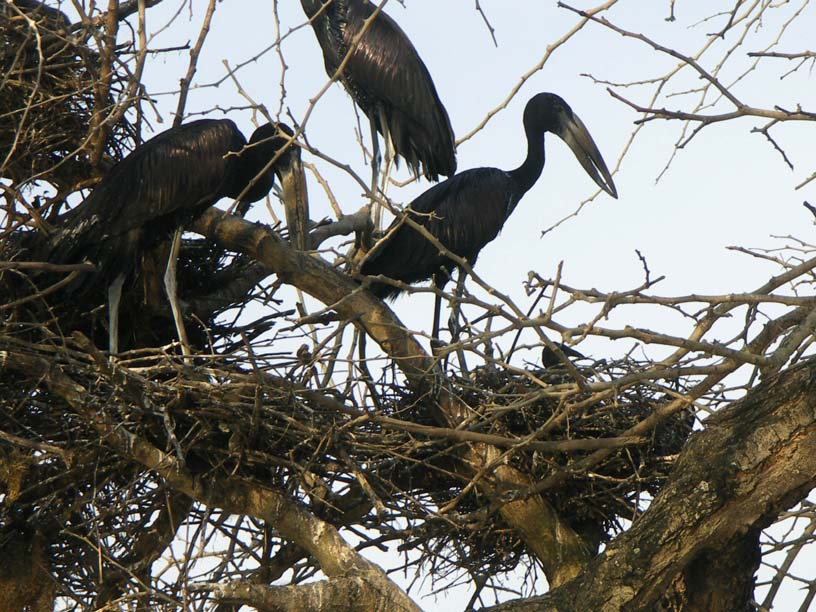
(388,80)
(456,222)
(469,209)
(162,185)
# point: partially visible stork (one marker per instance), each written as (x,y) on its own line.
(163,185)
(468,210)
(387,79)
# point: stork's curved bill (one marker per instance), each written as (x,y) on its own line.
(577,137)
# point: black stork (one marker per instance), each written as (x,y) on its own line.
(468,210)
(163,185)
(388,80)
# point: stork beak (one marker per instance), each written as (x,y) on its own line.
(578,139)
(296,201)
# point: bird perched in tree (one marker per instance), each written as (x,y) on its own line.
(163,185)
(468,210)
(387,79)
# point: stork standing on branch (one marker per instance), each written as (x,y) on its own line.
(468,210)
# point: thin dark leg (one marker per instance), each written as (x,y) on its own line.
(456,302)
(435,330)
(453,320)
(439,281)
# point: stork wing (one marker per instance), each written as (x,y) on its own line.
(400,92)
(463,213)
(171,177)
(182,168)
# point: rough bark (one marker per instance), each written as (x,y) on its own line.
(25,580)
(752,461)
(352,594)
(719,580)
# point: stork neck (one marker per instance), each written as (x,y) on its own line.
(528,172)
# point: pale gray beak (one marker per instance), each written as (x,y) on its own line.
(578,139)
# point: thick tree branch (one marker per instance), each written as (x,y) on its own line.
(347,594)
(358,222)
(321,281)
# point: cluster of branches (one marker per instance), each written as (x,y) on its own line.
(153,482)
(66,109)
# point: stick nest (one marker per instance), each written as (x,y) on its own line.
(273,427)
(48,96)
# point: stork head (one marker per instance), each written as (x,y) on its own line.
(269,143)
(547,112)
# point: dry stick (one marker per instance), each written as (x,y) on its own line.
(741,108)
(326,188)
(551,48)
(550,306)
(345,225)
(725,305)
(66,456)
(782,573)
(281,59)
(686,60)
(774,283)
(101,125)
(716,374)
(187,80)
(651,337)
(17,134)
(463,435)
(47,291)
(593,296)
(107,45)
(704,120)
(122,11)
(46,266)
(803,54)
(490,28)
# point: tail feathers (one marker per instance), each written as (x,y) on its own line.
(111,257)
(384,291)
(375,267)
(64,248)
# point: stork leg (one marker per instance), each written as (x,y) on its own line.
(376,161)
(453,320)
(385,171)
(439,280)
(171,286)
(114,298)
(435,341)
